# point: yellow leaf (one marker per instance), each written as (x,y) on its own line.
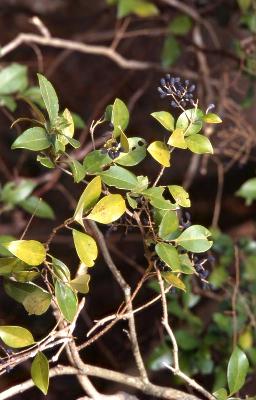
(160,152)
(108,209)
(29,251)
(81,283)
(86,247)
(174,280)
(177,139)
(88,199)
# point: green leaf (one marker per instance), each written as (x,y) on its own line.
(168,225)
(171,51)
(137,152)
(186,340)
(165,119)
(95,161)
(248,191)
(13,193)
(40,372)
(29,251)
(186,264)
(237,370)
(5,239)
(244,5)
(36,206)
(108,112)
(120,117)
(35,139)
(86,247)
(177,139)
(13,79)
(34,299)
(66,299)
(141,8)
(221,394)
(16,336)
(88,199)
(156,198)
(78,121)
(49,97)
(199,144)
(180,25)
(45,161)
(160,152)
(33,94)
(180,195)
(119,177)
(212,118)
(173,280)
(124,142)
(195,239)
(81,283)
(190,121)
(8,102)
(78,171)
(169,255)
(9,265)
(25,275)
(61,270)
(108,209)
(131,201)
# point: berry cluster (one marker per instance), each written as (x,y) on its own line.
(112,148)
(202,272)
(181,93)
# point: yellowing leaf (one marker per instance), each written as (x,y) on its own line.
(86,247)
(165,119)
(108,209)
(40,372)
(177,139)
(160,152)
(29,251)
(180,195)
(212,118)
(16,336)
(124,142)
(88,199)
(69,130)
(174,280)
(81,283)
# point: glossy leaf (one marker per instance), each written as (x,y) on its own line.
(40,372)
(86,247)
(94,161)
(119,177)
(211,118)
(61,270)
(35,139)
(66,299)
(169,255)
(190,121)
(195,239)
(13,79)
(168,225)
(29,251)
(81,283)
(177,139)
(248,191)
(160,152)
(173,280)
(8,265)
(171,51)
(180,195)
(165,119)
(16,336)
(120,117)
(237,370)
(88,199)
(78,171)
(45,161)
(37,207)
(34,299)
(199,144)
(137,152)
(156,198)
(221,394)
(108,209)
(49,97)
